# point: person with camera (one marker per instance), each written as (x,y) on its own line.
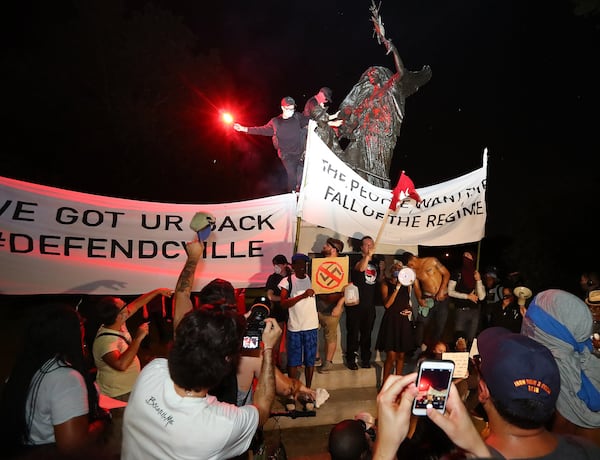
(248,370)
(171,413)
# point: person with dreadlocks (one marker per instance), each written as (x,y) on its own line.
(373,112)
(49,401)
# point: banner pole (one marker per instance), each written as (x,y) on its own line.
(297,241)
(478,255)
(385,219)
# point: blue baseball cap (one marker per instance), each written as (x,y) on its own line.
(516,367)
(300,256)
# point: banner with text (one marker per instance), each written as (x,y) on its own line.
(58,241)
(335,197)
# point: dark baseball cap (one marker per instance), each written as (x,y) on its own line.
(287,101)
(516,367)
(327,93)
(280,259)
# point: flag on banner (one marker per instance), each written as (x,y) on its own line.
(404,188)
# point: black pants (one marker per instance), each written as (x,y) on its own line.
(294,167)
(359,325)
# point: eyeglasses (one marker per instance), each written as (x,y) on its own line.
(507,296)
(289,107)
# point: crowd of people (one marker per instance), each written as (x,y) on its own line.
(535,374)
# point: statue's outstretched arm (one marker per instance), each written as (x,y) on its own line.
(379,31)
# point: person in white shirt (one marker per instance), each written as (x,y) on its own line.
(298,296)
(170,413)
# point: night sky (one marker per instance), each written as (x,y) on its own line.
(122,98)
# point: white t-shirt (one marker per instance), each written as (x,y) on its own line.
(303,315)
(160,424)
(61,396)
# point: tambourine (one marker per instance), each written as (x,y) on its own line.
(406,276)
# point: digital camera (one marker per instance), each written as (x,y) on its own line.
(259,311)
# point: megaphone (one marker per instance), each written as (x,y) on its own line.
(406,276)
(522,293)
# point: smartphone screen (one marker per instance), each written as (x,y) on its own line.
(433,383)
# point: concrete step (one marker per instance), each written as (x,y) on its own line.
(342,404)
(340,377)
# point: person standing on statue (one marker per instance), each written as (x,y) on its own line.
(288,131)
(373,112)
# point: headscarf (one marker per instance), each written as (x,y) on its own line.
(563,323)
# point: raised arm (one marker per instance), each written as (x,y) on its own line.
(182,300)
(380,34)
(147,297)
(267,129)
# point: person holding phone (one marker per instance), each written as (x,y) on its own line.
(394,408)
(433,383)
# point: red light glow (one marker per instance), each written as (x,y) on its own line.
(424,385)
(227,118)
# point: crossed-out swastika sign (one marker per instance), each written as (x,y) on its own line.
(329,274)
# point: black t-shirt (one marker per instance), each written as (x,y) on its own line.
(367,283)
(280,314)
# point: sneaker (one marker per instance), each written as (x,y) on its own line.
(365,364)
(290,404)
(352,366)
(326,367)
(318,362)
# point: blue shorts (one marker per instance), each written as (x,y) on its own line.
(302,344)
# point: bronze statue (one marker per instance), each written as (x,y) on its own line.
(373,112)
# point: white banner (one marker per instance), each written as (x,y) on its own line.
(58,241)
(335,197)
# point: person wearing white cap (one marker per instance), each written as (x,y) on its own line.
(288,131)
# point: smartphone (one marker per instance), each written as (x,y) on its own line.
(433,383)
